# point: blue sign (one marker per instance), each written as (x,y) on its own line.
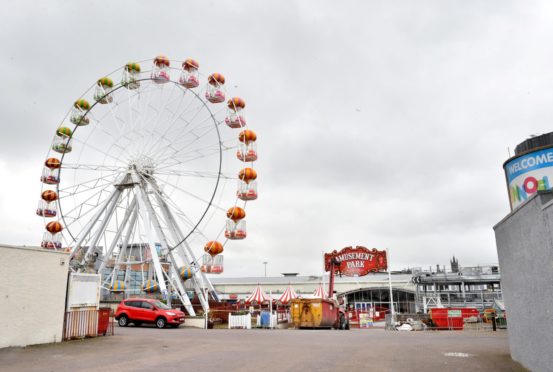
(529,162)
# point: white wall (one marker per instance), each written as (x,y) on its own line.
(33,285)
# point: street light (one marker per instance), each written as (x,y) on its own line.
(265,263)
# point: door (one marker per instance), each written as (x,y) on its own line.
(149,311)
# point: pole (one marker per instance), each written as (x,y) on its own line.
(331,279)
(265,263)
(390,286)
(206,311)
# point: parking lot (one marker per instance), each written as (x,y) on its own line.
(150,349)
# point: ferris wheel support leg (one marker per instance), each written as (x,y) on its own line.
(178,236)
(123,249)
(173,278)
(102,228)
(90,225)
(131,210)
(145,213)
(165,245)
(205,279)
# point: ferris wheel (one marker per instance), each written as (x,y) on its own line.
(155,167)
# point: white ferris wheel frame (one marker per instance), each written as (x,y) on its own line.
(141,209)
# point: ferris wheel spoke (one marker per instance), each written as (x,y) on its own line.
(174,121)
(162,157)
(185,131)
(182,136)
(193,173)
(92,201)
(88,185)
(93,167)
(139,119)
(176,132)
(176,209)
(120,126)
(161,111)
(97,149)
(191,155)
(195,155)
(166,182)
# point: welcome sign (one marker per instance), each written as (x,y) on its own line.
(357,261)
(528,174)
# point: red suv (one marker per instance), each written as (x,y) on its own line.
(145,310)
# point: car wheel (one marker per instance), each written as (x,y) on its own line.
(123,321)
(160,323)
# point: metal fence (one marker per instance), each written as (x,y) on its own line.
(421,322)
(84,323)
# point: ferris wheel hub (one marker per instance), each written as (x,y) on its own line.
(142,164)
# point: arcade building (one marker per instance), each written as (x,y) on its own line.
(413,290)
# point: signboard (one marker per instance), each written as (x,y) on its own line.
(528,174)
(84,290)
(358,261)
(365,321)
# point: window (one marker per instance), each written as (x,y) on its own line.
(133,303)
(147,305)
(161,305)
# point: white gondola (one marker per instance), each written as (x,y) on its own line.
(47,209)
(247,191)
(51,241)
(235,230)
(50,176)
(130,79)
(78,117)
(63,145)
(247,152)
(102,94)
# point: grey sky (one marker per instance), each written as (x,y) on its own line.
(380,123)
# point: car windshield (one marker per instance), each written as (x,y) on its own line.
(161,305)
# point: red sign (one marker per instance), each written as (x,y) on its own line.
(357,261)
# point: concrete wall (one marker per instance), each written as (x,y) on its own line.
(525,248)
(32,295)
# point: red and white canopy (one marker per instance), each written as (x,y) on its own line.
(320,292)
(257,296)
(288,295)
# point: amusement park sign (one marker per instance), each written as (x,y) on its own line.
(357,261)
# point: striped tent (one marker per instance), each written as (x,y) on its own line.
(320,292)
(258,296)
(288,295)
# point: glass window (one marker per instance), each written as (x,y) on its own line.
(133,303)
(147,305)
(161,305)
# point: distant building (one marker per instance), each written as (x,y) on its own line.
(414,290)
(477,287)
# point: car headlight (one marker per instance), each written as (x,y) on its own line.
(170,313)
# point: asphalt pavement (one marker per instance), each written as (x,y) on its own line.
(150,349)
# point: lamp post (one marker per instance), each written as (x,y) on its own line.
(265,263)
(392,312)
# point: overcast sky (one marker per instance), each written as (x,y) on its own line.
(380,123)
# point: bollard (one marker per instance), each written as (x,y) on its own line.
(494,324)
